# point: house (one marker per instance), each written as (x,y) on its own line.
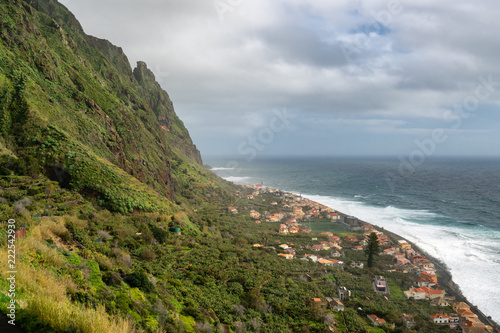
(474,327)
(404,244)
(454,318)
(416,258)
(312,257)
(381,237)
(367,227)
(283,230)
(293,230)
(276,217)
(274,203)
(317,248)
(351,239)
(337,263)
(408,321)
(432,294)
(313,212)
(380,285)
(440,318)
(325,262)
(398,255)
(330,262)
(409,252)
(233,210)
(254,214)
(333,217)
(336,246)
(358,248)
(335,304)
(425,282)
(336,254)
(287,256)
(357,264)
(335,238)
(460,306)
(376,321)
(319,302)
(250,197)
(416,293)
(439,302)
(344,293)
(390,251)
(467,314)
(402,262)
(429,277)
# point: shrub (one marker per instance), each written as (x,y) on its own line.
(203,327)
(158,233)
(112,278)
(139,280)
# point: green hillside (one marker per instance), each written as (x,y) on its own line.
(74,110)
(121,228)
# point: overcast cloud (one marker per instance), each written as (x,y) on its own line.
(360,77)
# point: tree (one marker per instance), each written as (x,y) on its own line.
(372,248)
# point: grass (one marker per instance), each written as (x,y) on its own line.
(395,289)
(41,294)
(189,323)
(326,227)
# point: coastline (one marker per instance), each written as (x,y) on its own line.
(445,278)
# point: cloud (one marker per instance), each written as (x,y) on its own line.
(398,61)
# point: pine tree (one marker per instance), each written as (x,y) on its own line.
(372,249)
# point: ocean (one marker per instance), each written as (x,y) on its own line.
(449,207)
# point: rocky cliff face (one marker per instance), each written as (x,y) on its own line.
(159,101)
(71,102)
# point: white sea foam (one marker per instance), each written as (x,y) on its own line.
(471,254)
(239,180)
(222,169)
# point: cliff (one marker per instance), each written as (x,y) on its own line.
(72,105)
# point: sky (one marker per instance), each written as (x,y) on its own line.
(254,78)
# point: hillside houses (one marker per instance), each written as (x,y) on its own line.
(380,285)
(289,211)
(255,214)
(331,263)
(376,321)
(335,304)
(424,293)
(408,321)
(334,217)
(463,318)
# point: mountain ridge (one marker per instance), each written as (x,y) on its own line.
(61,78)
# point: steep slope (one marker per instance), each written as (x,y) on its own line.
(73,109)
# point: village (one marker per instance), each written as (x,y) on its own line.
(294,215)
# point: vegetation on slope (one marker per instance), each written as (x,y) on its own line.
(100,172)
(73,109)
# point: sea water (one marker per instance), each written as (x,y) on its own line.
(448,207)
